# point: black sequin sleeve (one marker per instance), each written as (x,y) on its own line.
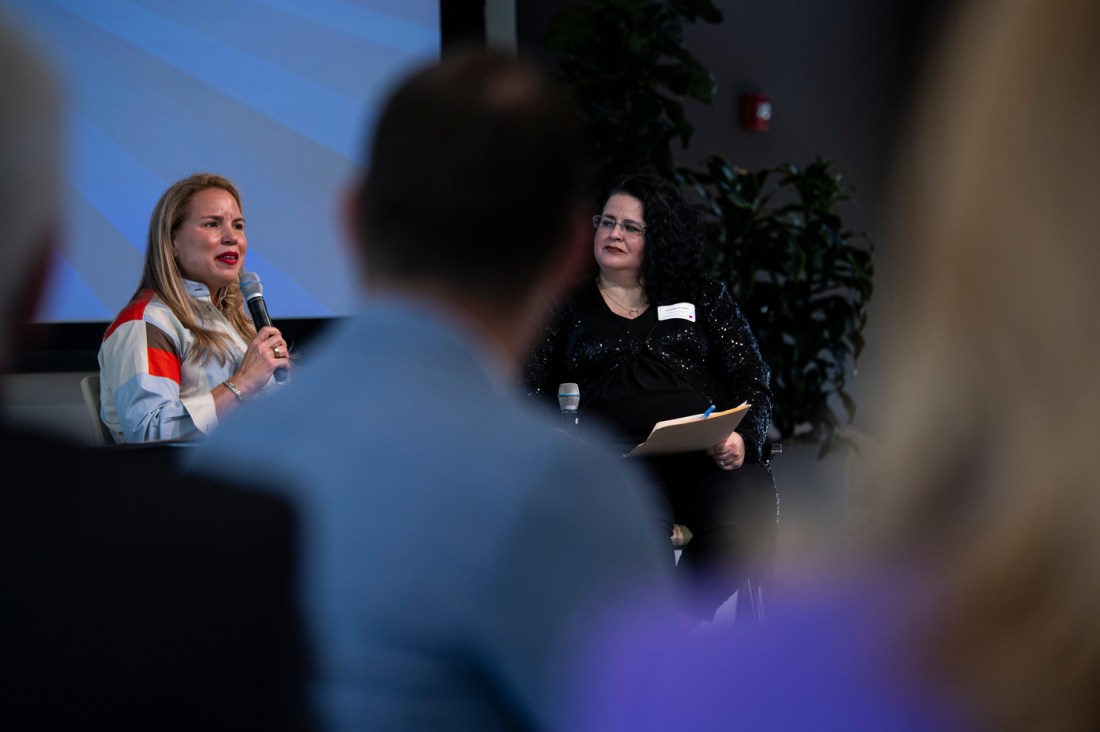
(737,362)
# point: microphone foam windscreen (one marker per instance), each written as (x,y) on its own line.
(250,285)
(569,397)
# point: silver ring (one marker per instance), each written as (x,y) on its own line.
(721,463)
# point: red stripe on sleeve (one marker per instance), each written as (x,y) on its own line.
(134,311)
(163,363)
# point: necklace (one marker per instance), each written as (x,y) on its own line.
(631,312)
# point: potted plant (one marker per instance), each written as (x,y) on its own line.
(625,64)
(802,279)
(775,235)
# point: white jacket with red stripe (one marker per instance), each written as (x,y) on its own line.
(152,385)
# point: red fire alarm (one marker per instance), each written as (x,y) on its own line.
(756,112)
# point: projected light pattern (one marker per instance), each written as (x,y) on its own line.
(277,95)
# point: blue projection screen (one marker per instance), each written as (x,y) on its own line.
(276,95)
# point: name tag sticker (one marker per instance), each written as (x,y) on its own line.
(681,310)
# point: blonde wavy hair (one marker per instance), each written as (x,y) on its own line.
(162,275)
(992,406)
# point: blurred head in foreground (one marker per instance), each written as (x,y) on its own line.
(30,169)
(993,404)
(473,182)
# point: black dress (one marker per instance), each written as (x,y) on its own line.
(634,373)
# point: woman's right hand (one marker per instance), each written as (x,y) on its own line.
(729,453)
(266,352)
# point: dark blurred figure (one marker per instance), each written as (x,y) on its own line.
(131,598)
(458,544)
(973,601)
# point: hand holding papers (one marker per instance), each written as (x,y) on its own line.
(696,432)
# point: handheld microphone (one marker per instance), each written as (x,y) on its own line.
(253,291)
(569,399)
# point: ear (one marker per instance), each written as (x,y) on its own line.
(32,293)
(571,261)
(574,259)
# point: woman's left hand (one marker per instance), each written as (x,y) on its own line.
(730,453)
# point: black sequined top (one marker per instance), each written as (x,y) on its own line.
(716,355)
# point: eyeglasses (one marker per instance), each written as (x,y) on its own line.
(608,224)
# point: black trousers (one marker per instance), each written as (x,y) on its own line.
(733,518)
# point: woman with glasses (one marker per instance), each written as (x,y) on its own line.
(648,337)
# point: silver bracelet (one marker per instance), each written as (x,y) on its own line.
(236,392)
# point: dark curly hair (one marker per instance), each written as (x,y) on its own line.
(672,259)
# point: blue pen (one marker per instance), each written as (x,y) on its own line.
(709,410)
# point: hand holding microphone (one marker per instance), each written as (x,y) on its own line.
(253,292)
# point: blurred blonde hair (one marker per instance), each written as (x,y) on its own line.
(992,402)
(162,275)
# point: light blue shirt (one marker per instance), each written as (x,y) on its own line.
(456,546)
